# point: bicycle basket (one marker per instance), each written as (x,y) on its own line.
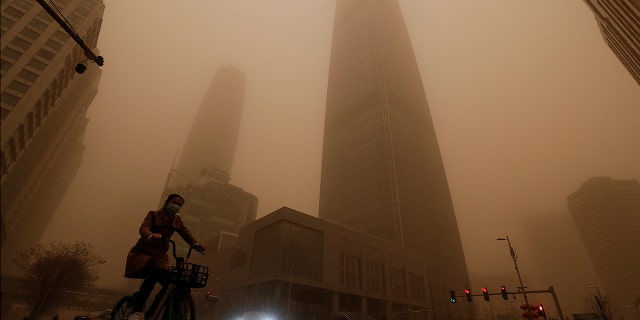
(190,275)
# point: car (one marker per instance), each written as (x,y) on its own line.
(351,316)
(96,315)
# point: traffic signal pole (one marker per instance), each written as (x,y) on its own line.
(555,298)
(515,263)
(549,290)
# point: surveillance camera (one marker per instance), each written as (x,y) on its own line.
(80,68)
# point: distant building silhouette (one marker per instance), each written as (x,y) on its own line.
(382,172)
(44,104)
(619,22)
(562,260)
(203,172)
(606,213)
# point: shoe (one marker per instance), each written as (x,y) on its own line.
(136,316)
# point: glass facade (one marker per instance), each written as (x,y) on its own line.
(382,172)
(287,248)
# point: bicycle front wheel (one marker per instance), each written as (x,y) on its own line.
(122,308)
(181,307)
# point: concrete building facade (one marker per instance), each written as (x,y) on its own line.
(44,104)
(606,213)
(619,22)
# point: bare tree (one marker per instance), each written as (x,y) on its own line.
(600,304)
(56,269)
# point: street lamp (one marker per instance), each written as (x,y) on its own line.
(515,263)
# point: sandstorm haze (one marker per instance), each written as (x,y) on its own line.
(527,101)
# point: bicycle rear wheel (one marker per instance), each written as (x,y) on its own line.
(123,308)
(181,307)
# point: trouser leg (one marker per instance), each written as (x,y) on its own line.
(143,294)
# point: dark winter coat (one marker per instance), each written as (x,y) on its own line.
(145,250)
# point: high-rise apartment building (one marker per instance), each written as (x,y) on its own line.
(44,104)
(203,172)
(382,172)
(619,22)
(606,213)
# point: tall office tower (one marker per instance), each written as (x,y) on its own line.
(382,172)
(203,171)
(606,213)
(44,104)
(619,22)
(214,134)
(561,260)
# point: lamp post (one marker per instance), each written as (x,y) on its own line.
(515,263)
(291,266)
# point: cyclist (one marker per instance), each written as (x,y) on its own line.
(148,258)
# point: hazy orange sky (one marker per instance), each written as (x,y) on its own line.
(526,98)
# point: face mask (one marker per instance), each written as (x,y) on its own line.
(172,208)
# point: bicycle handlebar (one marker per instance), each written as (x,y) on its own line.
(175,256)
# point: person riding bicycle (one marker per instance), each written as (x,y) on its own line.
(148,258)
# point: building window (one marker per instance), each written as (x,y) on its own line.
(11,150)
(350,271)
(30,33)
(10,99)
(21,43)
(374,273)
(20,135)
(29,125)
(12,12)
(46,54)
(18,86)
(287,248)
(416,286)
(396,282)
(37,64)
(39,25)
(11,53)
(28,75)
(38,114)
(3,164)
(54,44)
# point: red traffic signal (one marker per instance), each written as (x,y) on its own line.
(485,294)
(503,292)
(467,294)
(540,311)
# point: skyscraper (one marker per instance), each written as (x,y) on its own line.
(203,171)
(44,104)
(606,213)
(382,172)
(619,22)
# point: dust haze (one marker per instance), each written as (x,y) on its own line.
(527,101)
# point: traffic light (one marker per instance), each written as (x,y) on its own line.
(503,292)
(485,293)
(467,294)
(540,311)
(452,296)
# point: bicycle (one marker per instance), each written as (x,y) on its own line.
(176,303)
